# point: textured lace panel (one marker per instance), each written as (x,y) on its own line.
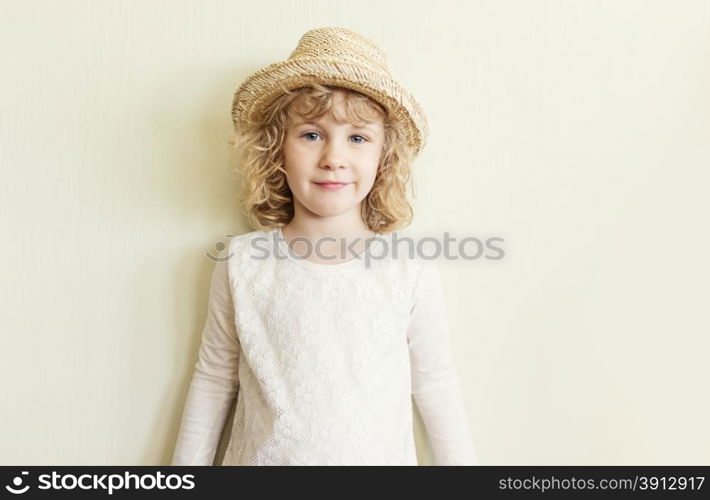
(325,364)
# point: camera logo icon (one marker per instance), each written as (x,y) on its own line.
(17,481)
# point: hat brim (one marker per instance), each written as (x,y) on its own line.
(262,87)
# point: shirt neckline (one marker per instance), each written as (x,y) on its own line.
(315,266)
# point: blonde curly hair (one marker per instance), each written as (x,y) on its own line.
(265,196)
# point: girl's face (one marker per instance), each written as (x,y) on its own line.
(328,151)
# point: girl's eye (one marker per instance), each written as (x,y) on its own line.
(316,133)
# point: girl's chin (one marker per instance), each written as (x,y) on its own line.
(331,209)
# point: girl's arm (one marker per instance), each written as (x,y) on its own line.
(435,383)
(215,382)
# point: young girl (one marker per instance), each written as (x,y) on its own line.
(324,349)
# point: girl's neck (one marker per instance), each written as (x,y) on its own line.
(330,239)
(345,226)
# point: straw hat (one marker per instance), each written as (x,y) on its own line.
(333,56)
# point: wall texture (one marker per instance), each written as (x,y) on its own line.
(578,131)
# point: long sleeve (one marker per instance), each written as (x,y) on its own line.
(436,387)
(215,382)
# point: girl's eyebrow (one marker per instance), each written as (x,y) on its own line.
(363,127)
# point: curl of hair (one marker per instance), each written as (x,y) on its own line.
(265,197)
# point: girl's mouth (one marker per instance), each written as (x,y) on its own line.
(331,186)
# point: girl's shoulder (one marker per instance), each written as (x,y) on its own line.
(417,262)
(239,242)
(404,253)
(248,255)
(248,245)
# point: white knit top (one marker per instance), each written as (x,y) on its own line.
(324,360)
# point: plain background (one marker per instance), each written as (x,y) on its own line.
(578,131)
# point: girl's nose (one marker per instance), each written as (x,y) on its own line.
(332,157)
